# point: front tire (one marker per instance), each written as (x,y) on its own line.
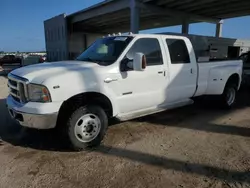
(86,127)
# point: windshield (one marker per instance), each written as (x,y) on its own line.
(105,51)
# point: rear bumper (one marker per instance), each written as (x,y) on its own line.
(31,120)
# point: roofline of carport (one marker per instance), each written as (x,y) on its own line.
(116,5)
(98,10)
(171,12)
(91,7)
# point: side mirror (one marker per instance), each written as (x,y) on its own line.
(126,64)
(139,62)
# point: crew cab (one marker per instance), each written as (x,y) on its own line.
(123,77)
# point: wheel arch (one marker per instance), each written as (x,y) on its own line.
(84,99)
(234,79)
(92,98)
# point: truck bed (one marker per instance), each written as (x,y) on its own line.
(211,76)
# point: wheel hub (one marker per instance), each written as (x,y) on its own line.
(87,128)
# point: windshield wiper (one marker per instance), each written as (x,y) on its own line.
(86,59)
(99,62)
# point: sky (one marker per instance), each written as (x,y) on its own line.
(21,23)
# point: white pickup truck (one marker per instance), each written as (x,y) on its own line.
(123,76)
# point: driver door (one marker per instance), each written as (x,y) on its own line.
(142,90)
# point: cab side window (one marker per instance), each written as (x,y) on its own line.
(150,47)
(178,51)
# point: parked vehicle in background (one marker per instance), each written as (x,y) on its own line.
(123,77)
(245,57)
(42,59)
(10,62)
(10,59)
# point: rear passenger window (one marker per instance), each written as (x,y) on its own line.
(178,51)
(150,47)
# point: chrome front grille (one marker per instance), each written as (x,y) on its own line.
(18,88)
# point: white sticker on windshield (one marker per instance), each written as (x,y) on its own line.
(121,38)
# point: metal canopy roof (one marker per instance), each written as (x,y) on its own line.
(114,15)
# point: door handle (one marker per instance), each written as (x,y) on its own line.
(108,80)
(191,71)
(162,72)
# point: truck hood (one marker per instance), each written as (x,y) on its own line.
(38,73)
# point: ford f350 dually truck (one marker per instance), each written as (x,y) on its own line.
(123,77)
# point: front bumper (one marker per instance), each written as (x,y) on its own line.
(26,118)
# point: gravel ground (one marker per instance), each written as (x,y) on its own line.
(195,146)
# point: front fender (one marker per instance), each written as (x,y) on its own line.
(75,84)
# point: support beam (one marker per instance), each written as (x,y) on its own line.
(177,4)
(219,29)
(197,4)
(224,6)
(173,13)
(106,8)
(134,16)
(144,24)
(185,27)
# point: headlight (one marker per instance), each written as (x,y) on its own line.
(38,93)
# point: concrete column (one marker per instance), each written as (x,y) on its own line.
(219,29)
(134,16)
(185,27)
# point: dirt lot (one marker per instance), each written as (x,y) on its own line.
(196,146)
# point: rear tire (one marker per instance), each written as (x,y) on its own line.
(86,127)
(228,98)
